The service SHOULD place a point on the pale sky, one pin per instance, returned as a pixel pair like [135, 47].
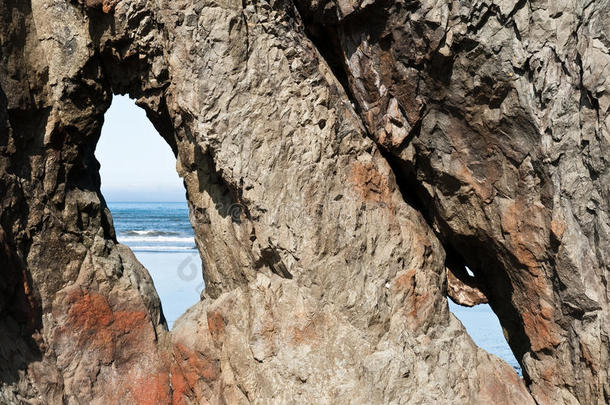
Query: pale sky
[137, 163]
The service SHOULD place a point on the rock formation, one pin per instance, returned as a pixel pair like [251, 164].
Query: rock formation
[338, 157]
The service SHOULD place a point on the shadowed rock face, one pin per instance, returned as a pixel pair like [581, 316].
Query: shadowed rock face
[337, 157]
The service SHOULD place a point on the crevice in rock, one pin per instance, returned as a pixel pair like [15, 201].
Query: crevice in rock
[20, 314]
[464, 251]
[227, 197]
[489, 283]
[326, 40]
[475, 252]
[462, 286]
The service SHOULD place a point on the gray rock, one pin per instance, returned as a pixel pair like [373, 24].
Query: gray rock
[494, 117]
[326, 181]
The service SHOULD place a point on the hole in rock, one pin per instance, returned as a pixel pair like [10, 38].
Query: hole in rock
[484, 328]
[480, 321]
[148, 204]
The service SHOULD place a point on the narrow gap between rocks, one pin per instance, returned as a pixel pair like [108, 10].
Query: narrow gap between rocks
[148, 204]
[479, 255]
[480, 321]
[483, 326]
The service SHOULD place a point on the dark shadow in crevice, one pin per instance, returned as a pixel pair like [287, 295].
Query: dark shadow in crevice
[482, 256]
[20, 315]
[323, 28]
[462, 286]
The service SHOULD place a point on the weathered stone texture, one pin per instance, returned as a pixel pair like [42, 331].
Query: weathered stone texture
[495, 116]
[337, 157]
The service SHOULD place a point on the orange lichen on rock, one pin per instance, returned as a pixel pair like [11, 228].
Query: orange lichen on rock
[151, 389]
[216, 324]
[195, 365]
[189, 371]
[417, 304]
[181, 391]
[371, 185]
[97, 327]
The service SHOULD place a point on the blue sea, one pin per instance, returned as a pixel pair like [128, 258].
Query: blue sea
[484, 328]
[152, 226]
[162, 239]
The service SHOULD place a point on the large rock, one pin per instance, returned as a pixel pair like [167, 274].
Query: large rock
[494, 117]
[326, 282]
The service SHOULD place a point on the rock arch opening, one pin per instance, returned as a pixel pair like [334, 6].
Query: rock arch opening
[470, 306]
[512, 178]
[147, 201]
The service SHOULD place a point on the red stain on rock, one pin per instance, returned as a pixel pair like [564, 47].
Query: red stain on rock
[547, 374]
[152, 389]
[190, 369]
[371, 185]
[310, 333]
[89, 310]
[416, 303]
[540, 329]
[137, 386]
[537, 314]
[216, 324]
[526, 226]
[406, 280]
[117, 339]
[180, 388]
[97, 327]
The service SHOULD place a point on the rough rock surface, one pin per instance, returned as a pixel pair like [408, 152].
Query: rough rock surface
[337, 157]
[494, 115]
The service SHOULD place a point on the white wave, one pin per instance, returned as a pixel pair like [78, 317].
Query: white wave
[163, 248]
[150, 232]
[174, 239]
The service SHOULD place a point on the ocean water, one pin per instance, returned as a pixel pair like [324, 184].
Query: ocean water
[153, 226]
[484, 328]
[162, 239]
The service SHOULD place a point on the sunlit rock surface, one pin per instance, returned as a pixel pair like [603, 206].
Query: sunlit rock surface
[337, 157]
